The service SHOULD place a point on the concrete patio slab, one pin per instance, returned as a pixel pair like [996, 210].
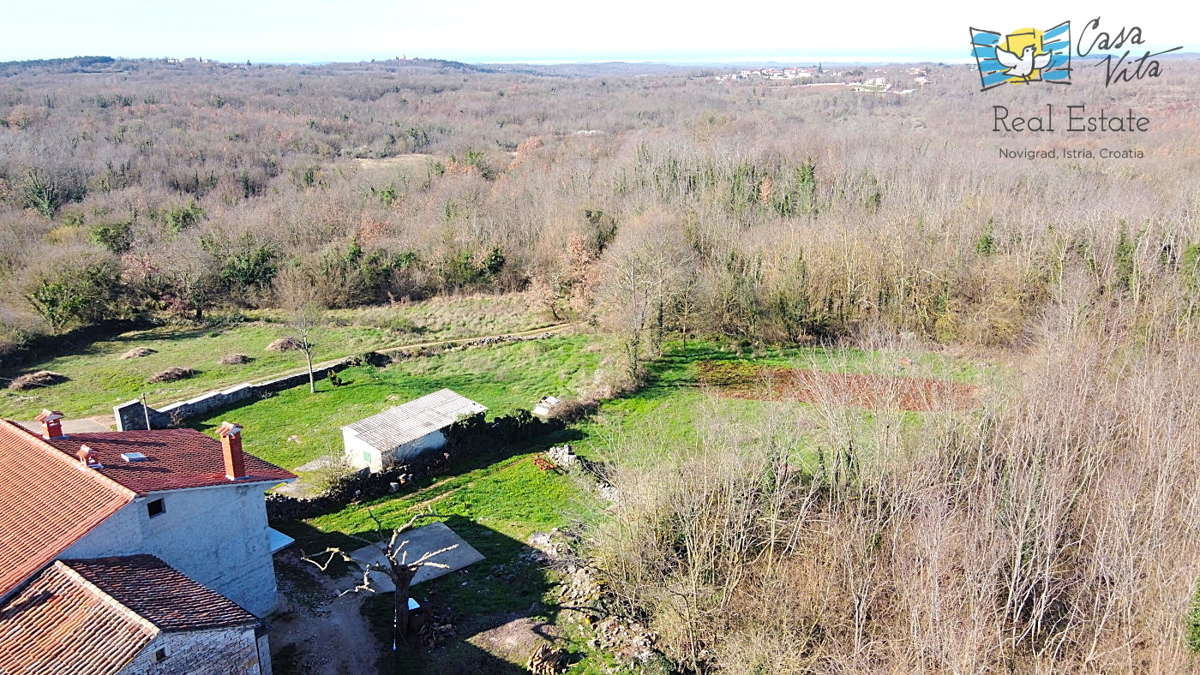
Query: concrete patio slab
[315, 465]
[433, 537]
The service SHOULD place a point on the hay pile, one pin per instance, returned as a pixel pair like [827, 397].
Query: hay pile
[41, 378]
[172, 374]
[286, 344]
[138, 352]
[234, 360]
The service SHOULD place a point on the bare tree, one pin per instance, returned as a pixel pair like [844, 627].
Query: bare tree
[647, 267]
[306, 315]
[399, 569]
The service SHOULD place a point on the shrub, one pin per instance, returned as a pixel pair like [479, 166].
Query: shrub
[181, 218]
[45, 190]
[81, 291]
[116, 238]
[251, 266]
[986, 245]
[473, 159]
[1189, 267]
[374, 359]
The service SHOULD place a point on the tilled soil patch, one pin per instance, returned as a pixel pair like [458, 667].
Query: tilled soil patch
[916, 394]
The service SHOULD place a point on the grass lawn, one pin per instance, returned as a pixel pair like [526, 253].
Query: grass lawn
[664, 415]
[294, 426]
[496, 501]
[99, 379]
[510, 498]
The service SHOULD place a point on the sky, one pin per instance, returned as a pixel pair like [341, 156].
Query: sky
[544, 31]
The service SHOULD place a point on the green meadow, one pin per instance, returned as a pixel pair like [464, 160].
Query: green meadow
[98, 379]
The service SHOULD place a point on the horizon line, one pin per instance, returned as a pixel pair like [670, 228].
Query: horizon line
[681, 58]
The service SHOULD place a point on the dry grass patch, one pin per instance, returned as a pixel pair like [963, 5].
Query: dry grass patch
[286, 344]
[171, 375]
[234, 360]
[41, 378]
[915, 394]
[138, 352]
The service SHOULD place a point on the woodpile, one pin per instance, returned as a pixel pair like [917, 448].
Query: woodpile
[547, 661]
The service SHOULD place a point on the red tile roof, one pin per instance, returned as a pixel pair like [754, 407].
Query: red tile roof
[47, 502]
[57, 625]
[93, 616]
[161, 594]
[177, 458]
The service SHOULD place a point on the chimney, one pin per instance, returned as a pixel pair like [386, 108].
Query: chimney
[88, 458]
[51, 424]
[231, 445]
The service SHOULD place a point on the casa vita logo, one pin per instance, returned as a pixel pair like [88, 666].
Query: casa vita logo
[1023, 56]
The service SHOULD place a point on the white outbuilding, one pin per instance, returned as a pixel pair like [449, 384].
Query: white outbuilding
[399, 434]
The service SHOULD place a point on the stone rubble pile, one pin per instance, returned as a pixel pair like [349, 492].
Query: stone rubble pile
[581, 587]
[562, 455]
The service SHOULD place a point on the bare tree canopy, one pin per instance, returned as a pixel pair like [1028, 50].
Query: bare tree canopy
[399, 568]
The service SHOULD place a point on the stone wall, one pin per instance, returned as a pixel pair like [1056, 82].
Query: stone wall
[130, 415]
[227, 651]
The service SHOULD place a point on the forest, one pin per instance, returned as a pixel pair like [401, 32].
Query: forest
[1053, 528]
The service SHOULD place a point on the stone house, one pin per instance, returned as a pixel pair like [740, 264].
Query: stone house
[192, 503]
[128, 615]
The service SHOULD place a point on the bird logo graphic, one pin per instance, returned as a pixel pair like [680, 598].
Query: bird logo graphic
[1023, 65]
[1023, 56]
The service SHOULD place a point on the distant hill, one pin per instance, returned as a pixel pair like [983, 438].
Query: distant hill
[74, 64]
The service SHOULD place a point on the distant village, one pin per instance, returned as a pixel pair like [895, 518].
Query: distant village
[814, 77]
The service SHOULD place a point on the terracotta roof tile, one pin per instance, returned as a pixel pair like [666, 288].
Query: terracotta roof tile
[47, 502]
[161, 594]
[58, 626]
[176, 459]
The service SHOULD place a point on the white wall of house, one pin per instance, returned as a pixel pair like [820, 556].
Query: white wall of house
[215, 535]
[362, 455]
[232, 651]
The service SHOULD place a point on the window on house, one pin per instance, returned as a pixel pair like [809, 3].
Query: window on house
[366, 457]
[160, 654]
[155, 508]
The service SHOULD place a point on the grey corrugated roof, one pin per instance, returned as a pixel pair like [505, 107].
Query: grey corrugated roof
[396, 426]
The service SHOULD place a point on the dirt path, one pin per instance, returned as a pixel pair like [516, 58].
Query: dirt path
[320, 631]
